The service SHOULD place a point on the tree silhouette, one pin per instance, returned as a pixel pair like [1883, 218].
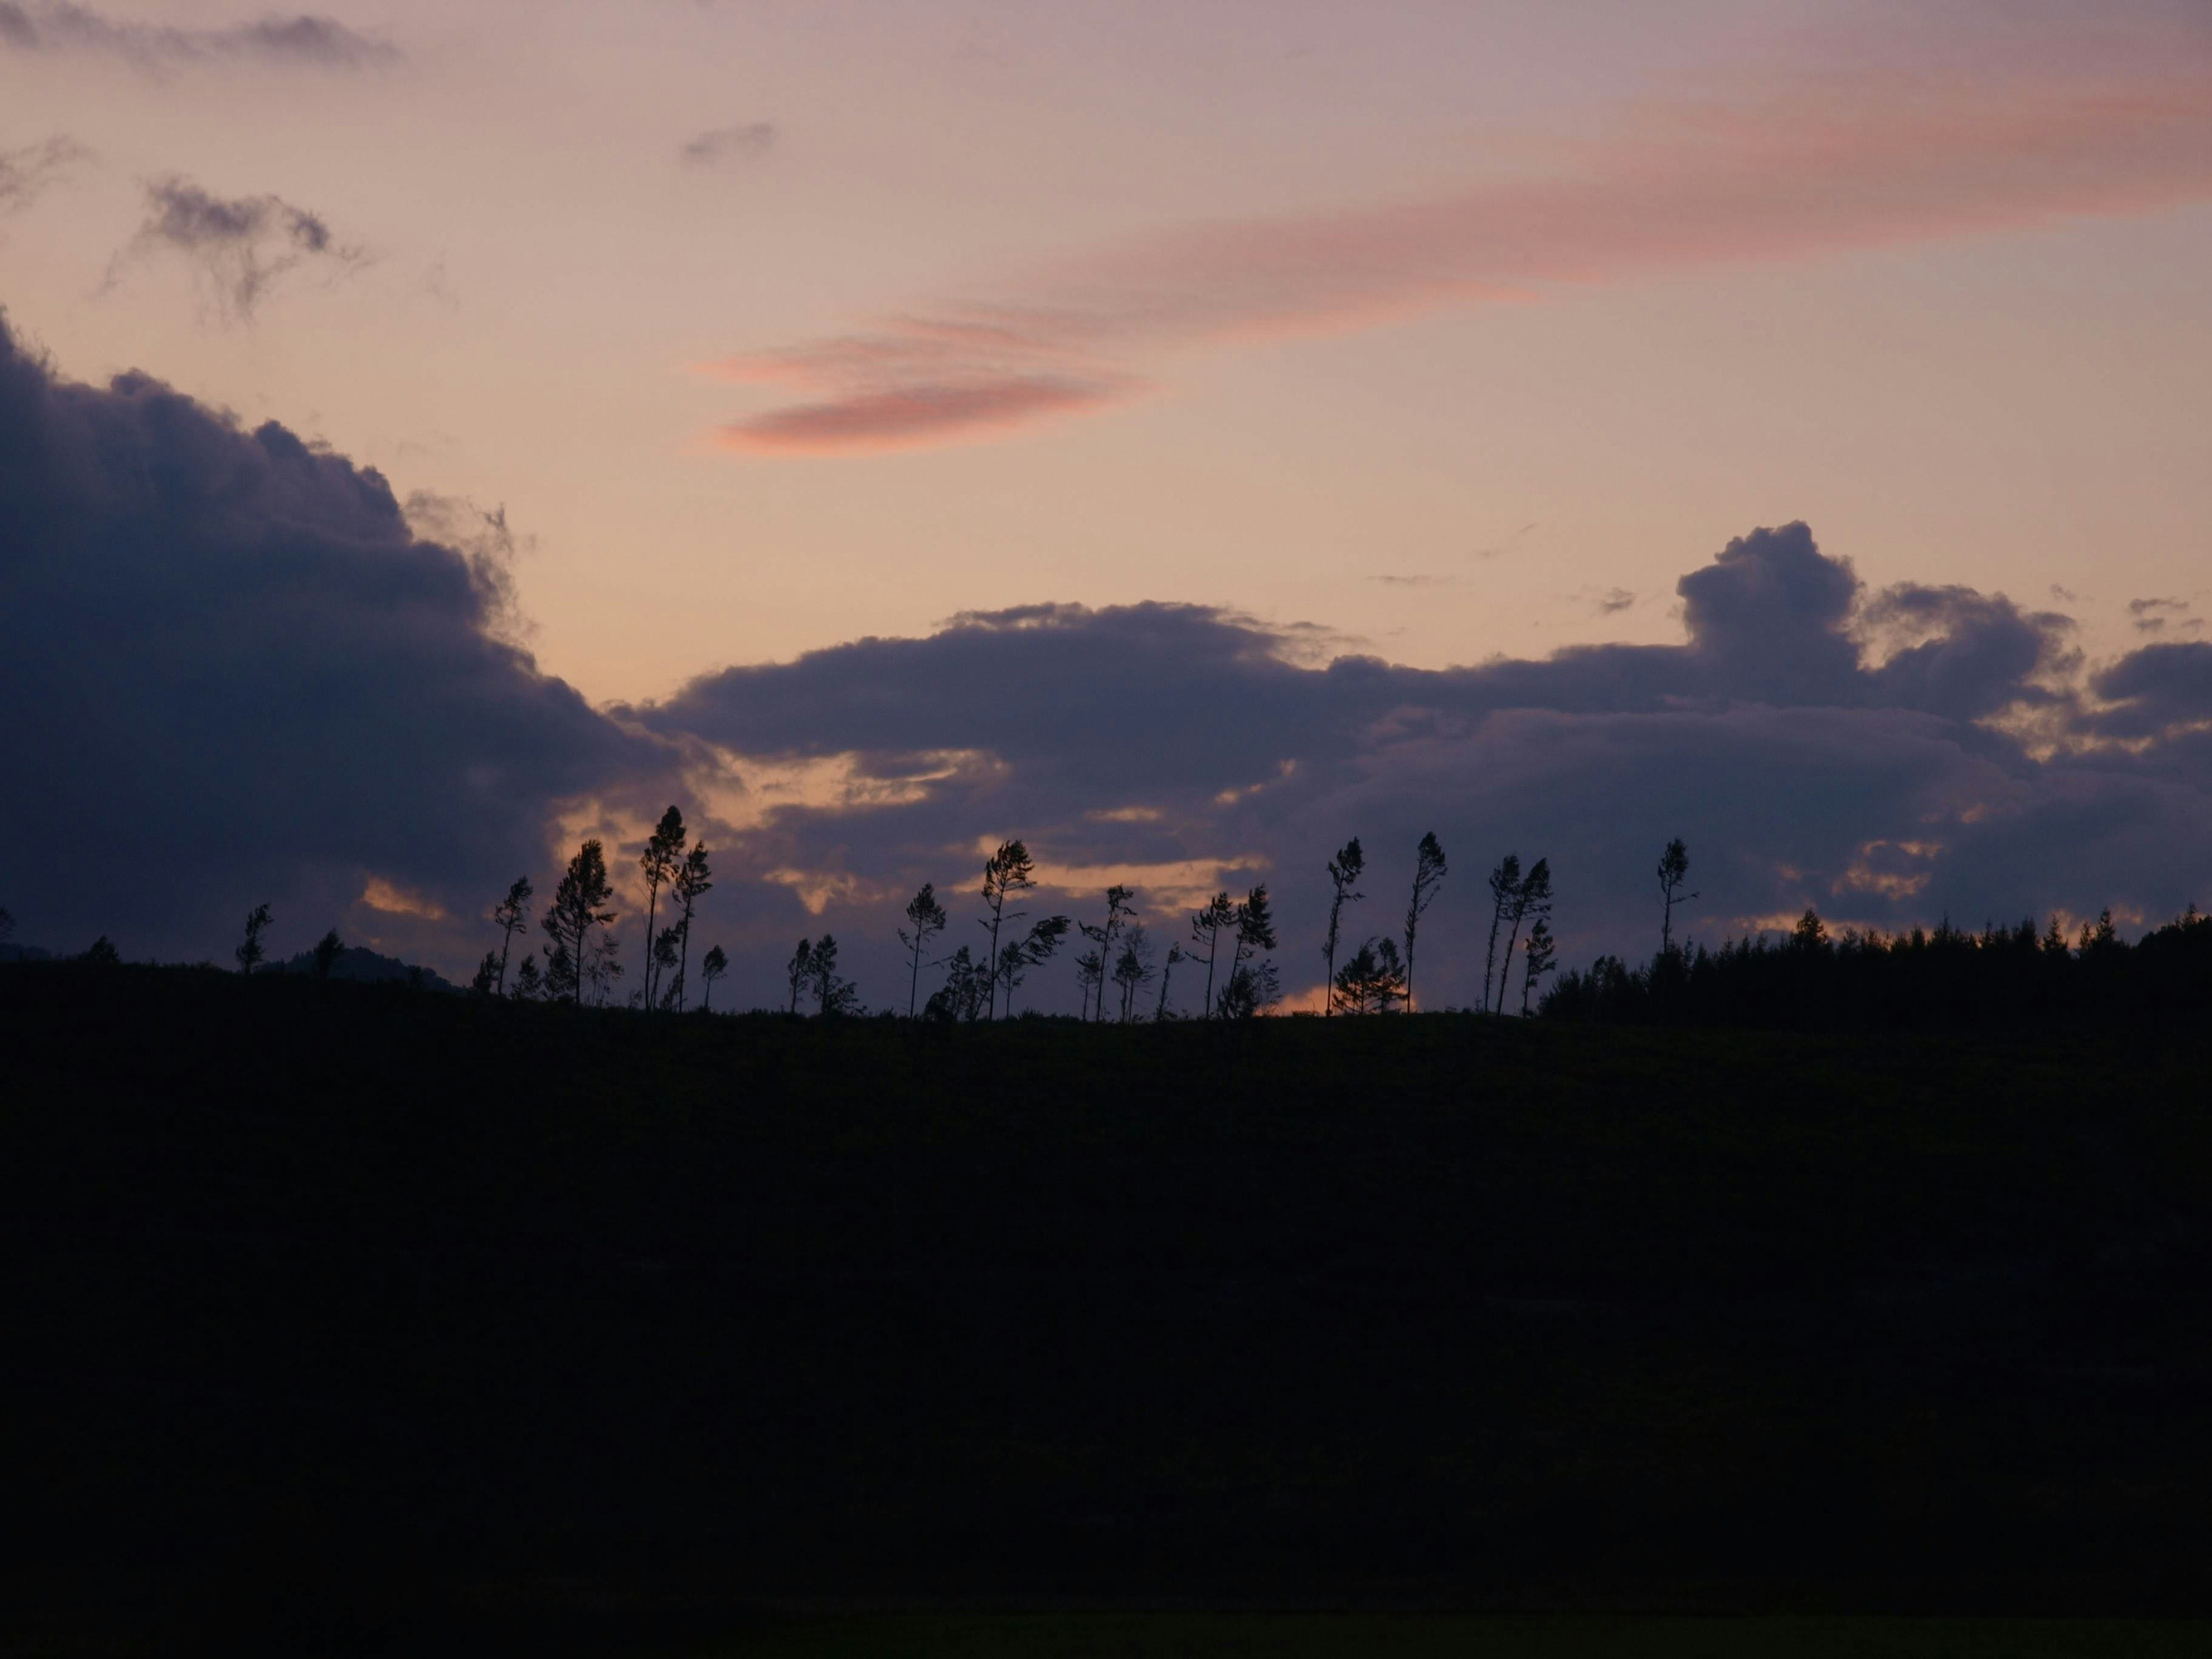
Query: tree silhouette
[1429, 872]
[327, 951]
[102, 953]
[1205, 925]
[1034, 950]
[925, 919]
[1253, 987]
[1343, 872]
[1373, 981]
[832, 995]
[1007, 871]
[486, 982]
[662, 857]
[249, 952]
[529, 983]
[1093, 966]
[1673, 876]
[1504, 889]
[1167, 970]
[1538, 957]
[712, 967]
[662, 962]
[1132, 969]
[7, 925]
[1533, 899]
[694, 878]
[575, 921]
[961, 995]
[799, 969]
[1252, 930]
[510, 914]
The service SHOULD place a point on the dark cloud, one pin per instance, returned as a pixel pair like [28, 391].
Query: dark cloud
[1818, 744]
[234, 673]
[1615, 601]
[27, 172]
[726, 144]
[302, 38]
[241, 246]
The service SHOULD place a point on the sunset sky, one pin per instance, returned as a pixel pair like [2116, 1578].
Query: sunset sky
[1427, 337]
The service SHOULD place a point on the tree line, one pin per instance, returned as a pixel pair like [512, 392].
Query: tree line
[1122, 973]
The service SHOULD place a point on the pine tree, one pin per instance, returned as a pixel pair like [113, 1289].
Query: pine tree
[691, 883]
[1007, 871]
[712, 967]
[925, 919]
[510, 915]
[799, 969]
[1429, 872]
[662, 857]
[1538, 957]
[1344, 872]
[577, 914]
[1673, 876]
[1205, 925]
[1252, 925]
[249, 952]
[1504, 889]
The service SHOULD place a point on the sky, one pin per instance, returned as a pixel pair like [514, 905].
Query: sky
[771, 406]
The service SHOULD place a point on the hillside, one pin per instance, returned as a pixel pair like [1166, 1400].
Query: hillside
[339, 1303]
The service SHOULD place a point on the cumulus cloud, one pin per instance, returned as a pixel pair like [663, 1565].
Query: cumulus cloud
[1817, 743]
[729, 143]
[300, 40]
[2046, 118]
[25, 172]
[239, 246]
[233, 674]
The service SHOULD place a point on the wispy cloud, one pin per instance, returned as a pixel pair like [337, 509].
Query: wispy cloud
[728, 143]
[302, 38]
[2152, 616]
[240, 244]
[1613, 601]
[1820, 165]
[25, 172]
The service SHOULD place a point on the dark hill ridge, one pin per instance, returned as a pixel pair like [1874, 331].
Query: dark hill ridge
[382, 1299]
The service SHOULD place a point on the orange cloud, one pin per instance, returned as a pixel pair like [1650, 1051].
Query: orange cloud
[1857, 160]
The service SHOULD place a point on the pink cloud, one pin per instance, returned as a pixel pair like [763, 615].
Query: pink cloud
[1861, 159]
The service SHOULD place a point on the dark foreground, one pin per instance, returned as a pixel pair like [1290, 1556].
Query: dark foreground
[349, 1319]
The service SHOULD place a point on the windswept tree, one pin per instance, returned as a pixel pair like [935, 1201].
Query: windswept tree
[510, 915]
[1007, 872]
[694, 878]
[1373, 979]
[328, 948]
[249, 952]
[1254, 988]
[1252, 930]
[1534, 900]
[575, 921]
[1538, 957]
[1673, 876]
[1132, 969]
[1344, 873]
[712, 967]
[1036, 948]
[1504, 893]
[486, 982]
[833, 995]
[1206, 924]
[799, 969]
[662, 858]
[1167, 972]
[1429, 873]
[925, 921]
[1093, 966]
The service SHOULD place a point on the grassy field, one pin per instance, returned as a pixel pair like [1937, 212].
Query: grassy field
[339, 1309]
